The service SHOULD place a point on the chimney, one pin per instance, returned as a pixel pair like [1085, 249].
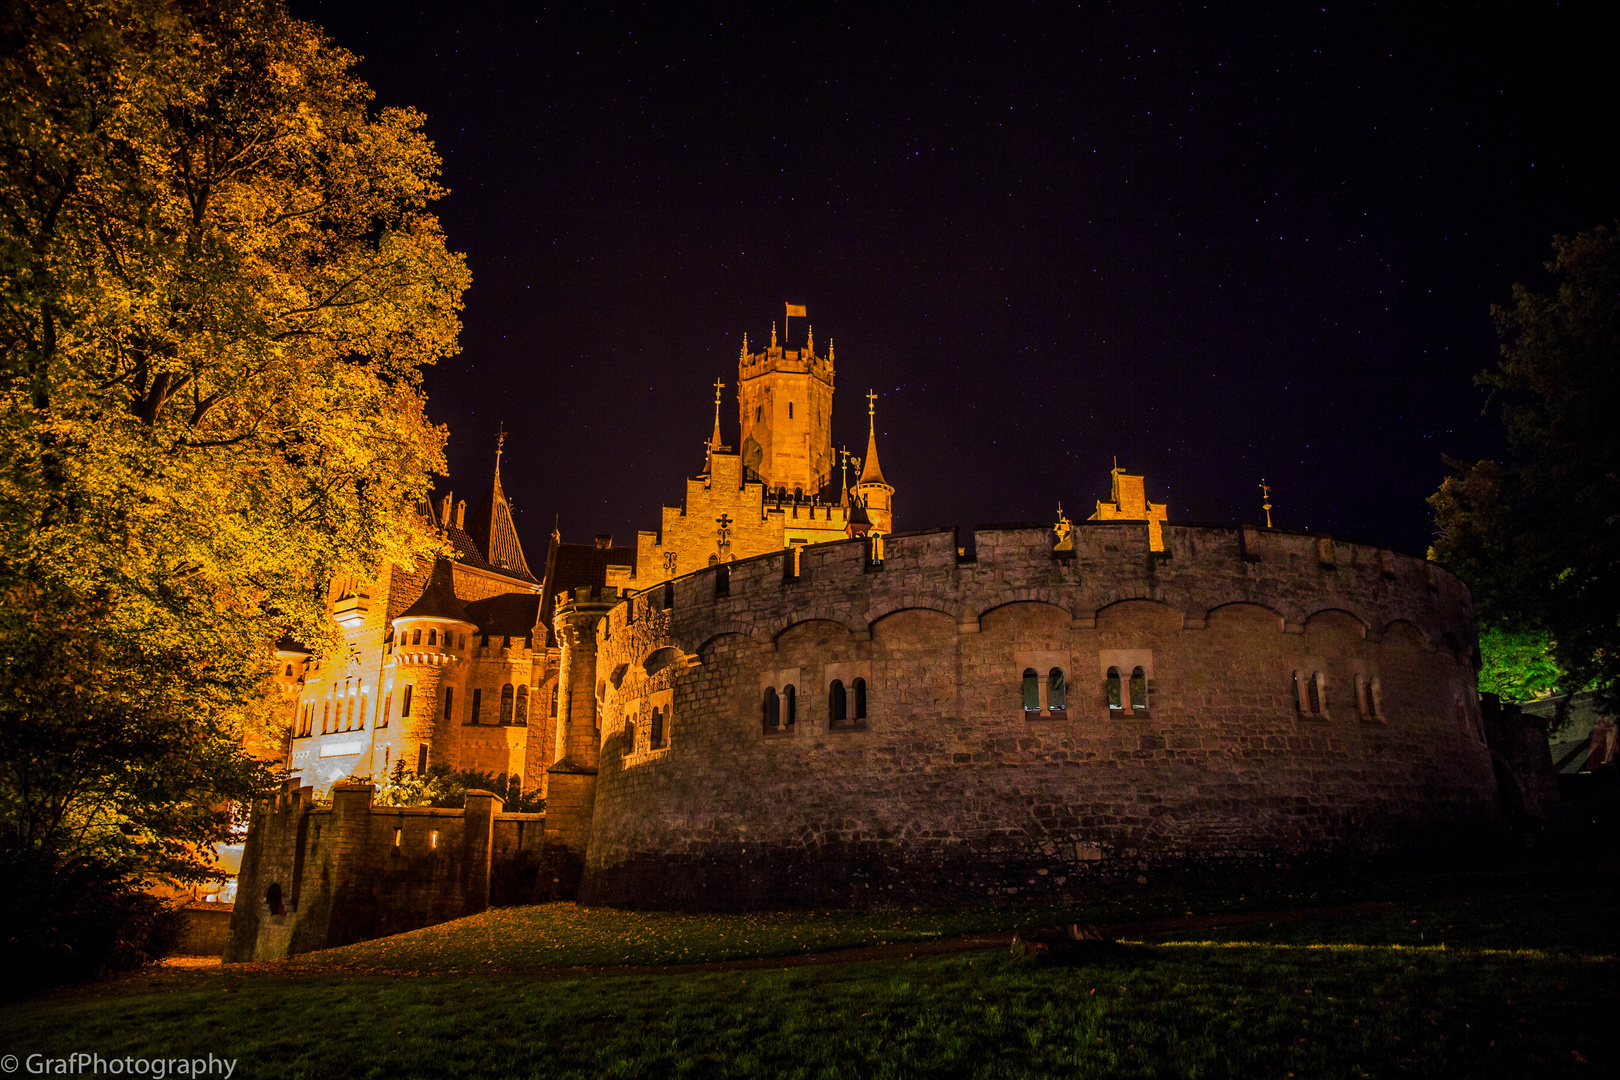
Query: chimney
[604, 540]
[444, 512]
[461, 514]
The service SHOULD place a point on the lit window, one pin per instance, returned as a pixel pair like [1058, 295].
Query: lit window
[1139, 690]
[1115, 698]
[1056, 691]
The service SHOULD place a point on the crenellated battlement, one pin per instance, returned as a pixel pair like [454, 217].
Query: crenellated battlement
[967, 575]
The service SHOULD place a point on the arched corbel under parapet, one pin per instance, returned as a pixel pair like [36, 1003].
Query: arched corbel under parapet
[1397, 626]
[1323, 613]
[1236, 607]
[853, 627]
[872, 620]
[1051, 602]
[715, 631]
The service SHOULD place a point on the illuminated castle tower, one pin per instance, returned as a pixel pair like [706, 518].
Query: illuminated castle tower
[875, 493]
[784, 402]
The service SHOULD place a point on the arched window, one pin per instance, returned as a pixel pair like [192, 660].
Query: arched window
[326, 715]
[1375, 693]
[433, 636]
[521, 718]
[1115, 700]
[289, 669]
[1032, 691]
[388, 703]
[1139, 690]
[1056, 691]
[771, 709]
[629, 736]
[798, 495]
[1313, 689]
[657, 729]
[790, 410]
[416, 636]
[860, 699]
[837, 706]
[713, 559]
[790, 700]
[272, 899]
[361, 715]
[506, 704]
[759, 411]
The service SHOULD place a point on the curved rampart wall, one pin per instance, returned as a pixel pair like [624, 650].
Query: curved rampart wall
[951, 789]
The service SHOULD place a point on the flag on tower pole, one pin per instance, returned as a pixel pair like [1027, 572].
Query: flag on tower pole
[797, 309]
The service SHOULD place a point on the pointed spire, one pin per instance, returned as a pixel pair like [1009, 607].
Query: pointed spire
[810, 342]
[714, 440]
[500, 444]
[871, 473]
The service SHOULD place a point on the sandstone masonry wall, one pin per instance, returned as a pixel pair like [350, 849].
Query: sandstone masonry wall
[951, 789]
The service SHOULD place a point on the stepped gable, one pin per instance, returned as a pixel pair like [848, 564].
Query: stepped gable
[512, 615]
[438, 599]
[571, 566]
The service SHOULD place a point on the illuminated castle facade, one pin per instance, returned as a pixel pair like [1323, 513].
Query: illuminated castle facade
[772, 703]
[456, 662]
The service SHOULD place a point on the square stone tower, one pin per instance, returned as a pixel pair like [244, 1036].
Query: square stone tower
[784, 403]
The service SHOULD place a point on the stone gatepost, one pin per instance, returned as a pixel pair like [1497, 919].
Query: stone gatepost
[478, 839]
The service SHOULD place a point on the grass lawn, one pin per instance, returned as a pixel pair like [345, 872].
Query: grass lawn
[1506, 982]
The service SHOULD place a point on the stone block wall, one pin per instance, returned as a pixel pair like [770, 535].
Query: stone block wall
[352, 871]
[1307, 701]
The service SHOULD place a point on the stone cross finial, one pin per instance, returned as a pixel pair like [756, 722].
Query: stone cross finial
[718, 386]
[871, 403]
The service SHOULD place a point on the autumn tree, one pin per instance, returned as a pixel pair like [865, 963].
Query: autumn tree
[220, 278]
[1538, 536]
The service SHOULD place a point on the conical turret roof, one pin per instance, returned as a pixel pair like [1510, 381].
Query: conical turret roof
[871, 471]
[439, 599]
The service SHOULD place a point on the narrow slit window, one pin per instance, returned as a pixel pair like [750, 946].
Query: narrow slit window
[477, 707]
[1116, 701]
[657, 730]
[837, 703]
[1032, 691]
[1313, 689]
[1056, 691]
[860, 699]
[629, 736]
[433, 636]
[421, 759]
[449, 703]
[790, 705]
[771, 709]
[388, 704]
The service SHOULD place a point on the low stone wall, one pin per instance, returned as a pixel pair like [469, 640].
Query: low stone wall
[1306, 702]
[314, 876]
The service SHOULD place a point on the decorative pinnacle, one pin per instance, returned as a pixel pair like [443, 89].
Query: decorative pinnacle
[871, 406]
[773, 333]
[1265, 496]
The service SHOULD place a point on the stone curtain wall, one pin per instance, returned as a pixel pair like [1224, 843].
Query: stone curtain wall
[952, 790]
[343, 877]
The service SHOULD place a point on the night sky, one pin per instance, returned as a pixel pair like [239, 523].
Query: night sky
[1219, 244]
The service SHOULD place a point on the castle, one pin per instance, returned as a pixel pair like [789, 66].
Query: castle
[778, 701]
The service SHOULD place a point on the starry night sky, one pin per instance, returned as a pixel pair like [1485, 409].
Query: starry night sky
[1217, 243]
